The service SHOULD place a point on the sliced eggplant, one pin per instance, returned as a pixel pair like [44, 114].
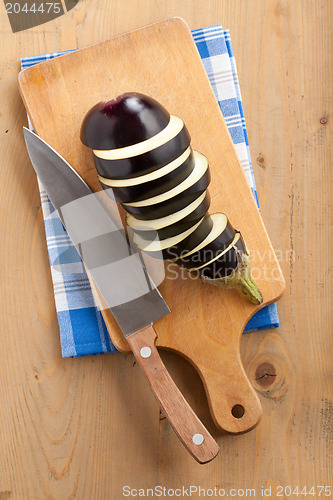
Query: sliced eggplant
[128, 119]
[232, 269]
[152, 184]
[223, 263]
[194, 183]
[173, 128]
[169, 226]
[177, 244]
[144, 160]
[193, 239]
[221, 235]
[222, 267]
[157, 174]
[220, 254]
[160, 249]
[162, 209]
[126, 168]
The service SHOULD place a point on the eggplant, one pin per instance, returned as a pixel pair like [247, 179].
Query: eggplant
[152, 184]
[171, 248]
[171, 225]
[164, 208]
[200, 174]
[144, 160]
[192, 241]
[172, 129]
[158, 248]
[225, 263]
[224, 255]
[128, 119]
[220, 236]
[126, 168]
[167, 204]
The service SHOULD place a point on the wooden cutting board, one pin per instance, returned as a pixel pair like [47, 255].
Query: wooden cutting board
[161, 60]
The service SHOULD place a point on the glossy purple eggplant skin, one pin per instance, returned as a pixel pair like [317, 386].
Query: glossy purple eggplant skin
[178, 227]
[210, 251]
[164, 208]
[190, 242]
[125, 168]
[223, 266]
[128, 119]
[155, 187]
[171, 205]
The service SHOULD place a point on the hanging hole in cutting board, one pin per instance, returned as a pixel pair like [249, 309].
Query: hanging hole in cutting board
[238, 411]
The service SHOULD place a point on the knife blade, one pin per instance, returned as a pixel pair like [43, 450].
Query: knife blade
[126, 287]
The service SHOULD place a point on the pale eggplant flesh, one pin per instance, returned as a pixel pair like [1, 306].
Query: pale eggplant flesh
[168, 204]
[173, 252]
[153, 185]
[126, 168]
[167, 207]
[164, 248]
[165, 227]
[194, 185]
[220, 236]
[223, 263]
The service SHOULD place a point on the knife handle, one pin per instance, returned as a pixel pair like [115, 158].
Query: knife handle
[190, 430]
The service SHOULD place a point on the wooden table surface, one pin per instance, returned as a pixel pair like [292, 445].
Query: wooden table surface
[85, 428]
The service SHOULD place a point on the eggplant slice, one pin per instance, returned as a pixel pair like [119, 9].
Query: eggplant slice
[189, 186]
[169, 226]
[220, 236]
[161, 248]
[170, 205]
[154, 183]
[224, 262]
[193, 240]
[126, 168]
[172, 129]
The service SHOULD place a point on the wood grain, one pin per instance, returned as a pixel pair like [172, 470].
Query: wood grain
[180, 415]
[206, 323]
[84, 428]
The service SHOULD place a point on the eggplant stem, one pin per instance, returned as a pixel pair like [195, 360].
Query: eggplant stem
[240, 278]
[250, 288]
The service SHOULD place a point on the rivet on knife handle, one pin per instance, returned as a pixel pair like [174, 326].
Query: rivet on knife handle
[190, 430]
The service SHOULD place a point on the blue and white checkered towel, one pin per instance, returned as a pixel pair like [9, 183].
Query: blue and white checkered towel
[82, 328]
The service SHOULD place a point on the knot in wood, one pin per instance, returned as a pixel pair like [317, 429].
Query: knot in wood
[261, 161]
[265, 374]
[270, 376]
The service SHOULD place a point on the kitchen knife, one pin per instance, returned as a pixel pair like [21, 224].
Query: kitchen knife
[124, 283]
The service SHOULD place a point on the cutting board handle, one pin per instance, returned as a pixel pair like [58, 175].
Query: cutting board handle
[234, 404]
[190, 430]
